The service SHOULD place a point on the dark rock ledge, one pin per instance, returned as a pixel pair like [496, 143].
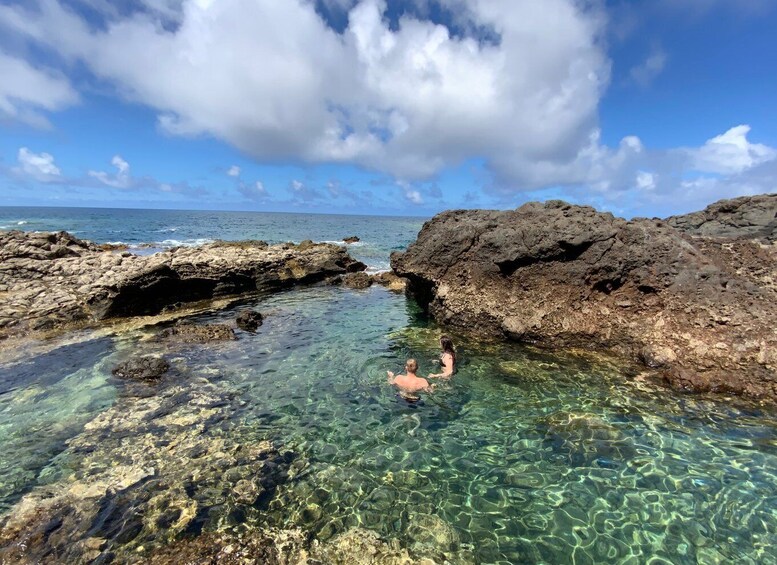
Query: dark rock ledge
[700, 310]
[49, 280]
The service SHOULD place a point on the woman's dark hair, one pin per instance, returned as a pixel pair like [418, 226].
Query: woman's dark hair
[447, 346]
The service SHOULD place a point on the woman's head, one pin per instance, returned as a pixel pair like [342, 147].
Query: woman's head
[411, 365]
[447, 345]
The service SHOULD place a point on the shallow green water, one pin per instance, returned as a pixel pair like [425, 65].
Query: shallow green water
[523, 458]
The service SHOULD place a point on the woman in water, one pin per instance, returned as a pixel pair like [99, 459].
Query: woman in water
[447, 358]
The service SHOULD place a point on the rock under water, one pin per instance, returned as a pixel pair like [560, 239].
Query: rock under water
[701, 310]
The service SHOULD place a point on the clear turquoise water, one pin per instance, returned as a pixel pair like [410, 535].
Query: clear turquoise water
[525, 457]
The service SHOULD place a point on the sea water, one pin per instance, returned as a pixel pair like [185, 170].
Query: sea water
[525, 456]
[147, 231]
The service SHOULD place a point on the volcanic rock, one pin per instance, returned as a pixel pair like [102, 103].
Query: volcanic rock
[558, 275]
[249, 320]
[748, 217]
[353, 280]
[142, 368]
[193, 333]
[391, 281]
[54, 279]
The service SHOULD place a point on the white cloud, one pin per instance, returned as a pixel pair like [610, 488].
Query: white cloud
[645, 73]
[645, 181]
[255, 191]
[411, 194]
[26, 92]
[731, 152]
[301, 192]
[233, 171]
[407, 101]
[633, 178]
[121, 179]
[39, 166]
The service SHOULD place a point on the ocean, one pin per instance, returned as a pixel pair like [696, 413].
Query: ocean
[147, 231]
[525, 456]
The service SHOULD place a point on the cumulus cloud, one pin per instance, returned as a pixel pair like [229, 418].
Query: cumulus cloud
[233, 171]
[407, 101]
[632, 177]
[39, 166]
[411, 194]
[26, 92]
[731, 152]
[120, 179]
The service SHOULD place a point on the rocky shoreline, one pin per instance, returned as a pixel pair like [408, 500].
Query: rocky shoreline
[54, 280]
[693, 298]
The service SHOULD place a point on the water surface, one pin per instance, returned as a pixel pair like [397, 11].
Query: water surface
[524, 457]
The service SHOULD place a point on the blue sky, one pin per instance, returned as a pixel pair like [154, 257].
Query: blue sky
[404, 107]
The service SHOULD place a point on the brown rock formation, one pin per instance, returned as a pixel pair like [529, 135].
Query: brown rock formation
[700, 310]
[51, 279]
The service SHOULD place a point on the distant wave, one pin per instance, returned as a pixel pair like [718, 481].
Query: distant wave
[341, 242]
[21, 223]
[168, 230]
[183, 242]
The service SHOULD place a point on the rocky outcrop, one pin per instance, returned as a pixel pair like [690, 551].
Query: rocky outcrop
[699, 310]
[51, 279]
[249, 320]
[141, 368]
[391, 281]
[748, 217]
[351, 239]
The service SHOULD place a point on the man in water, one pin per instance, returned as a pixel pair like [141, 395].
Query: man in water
[409, 383]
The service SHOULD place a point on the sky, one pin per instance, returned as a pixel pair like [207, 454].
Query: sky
[407, 107]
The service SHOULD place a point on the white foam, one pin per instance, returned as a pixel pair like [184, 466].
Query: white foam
[184, 242]
[21, 223]
[341, 242]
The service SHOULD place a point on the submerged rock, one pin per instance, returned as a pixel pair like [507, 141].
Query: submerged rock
[249, 320]
[195, 333]
[353, 280]
[142, 368]
[701, 310]
[145, 473]
[357, 280]
[49, 280]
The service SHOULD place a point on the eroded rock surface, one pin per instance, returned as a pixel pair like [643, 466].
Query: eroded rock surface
[198, 333]
[144, 473]
[142, 368]
[52, 279]
[701, 310]
[748, 217]
[249, 320]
